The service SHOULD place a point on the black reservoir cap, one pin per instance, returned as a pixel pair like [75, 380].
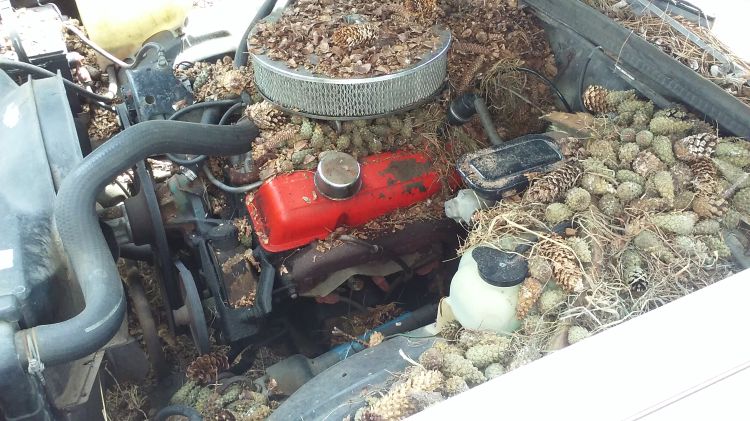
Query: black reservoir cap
[499, 268]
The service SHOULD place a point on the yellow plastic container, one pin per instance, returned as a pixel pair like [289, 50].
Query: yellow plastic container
[122, 27]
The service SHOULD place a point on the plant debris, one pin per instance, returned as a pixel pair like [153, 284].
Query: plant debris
[636, 208]
[217, 81]
[356, 325]
[662, 35]
[349, 38]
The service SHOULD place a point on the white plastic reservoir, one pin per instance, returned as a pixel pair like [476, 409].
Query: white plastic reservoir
[484, 290]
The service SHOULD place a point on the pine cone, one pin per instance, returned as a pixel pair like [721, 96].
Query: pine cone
[472, 337]
[696, 146]
[481, 356]
[456, 365]
[454, 385]
[650, 204]
[595, 99]
[266, 116]
[554, 184]
[283, 137]
[564, 264]
[637, 280]
[646, 163]
[431, 359]
[423, 9]
[708, 205]
[705, 180]
[528, 294]
[469, 74]
[204, 369]
[450, 331]
[224, 415]
[236, 80]
[354, 35]
[397, 403]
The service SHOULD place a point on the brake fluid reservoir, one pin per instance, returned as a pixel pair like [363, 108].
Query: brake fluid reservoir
[483, 295]
[121, 28]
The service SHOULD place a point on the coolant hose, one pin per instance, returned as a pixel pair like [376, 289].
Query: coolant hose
[82, 239]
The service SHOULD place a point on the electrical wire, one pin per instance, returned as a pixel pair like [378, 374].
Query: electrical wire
[199, 106]
[106, 54]
[96, 47]
[230, 189]
[584, 70]
[38, 71]
[550, 84]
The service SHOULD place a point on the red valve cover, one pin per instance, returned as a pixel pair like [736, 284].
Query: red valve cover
[288, 212]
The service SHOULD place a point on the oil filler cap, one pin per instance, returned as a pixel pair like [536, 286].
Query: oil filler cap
[500, 268]
[338, 176]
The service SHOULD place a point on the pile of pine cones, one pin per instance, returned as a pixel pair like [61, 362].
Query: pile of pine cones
[217, 81]
[467, 358]
[297, 143]
[667, 179]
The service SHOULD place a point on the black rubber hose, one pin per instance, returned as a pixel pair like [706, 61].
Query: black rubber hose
[463, 108]
[231, 111]
[241, 55]
[82, 239]
[36, 70]
[178, 410]
[210, 114]
[202, 105]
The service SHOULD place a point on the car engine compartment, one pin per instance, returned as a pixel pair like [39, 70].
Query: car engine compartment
[272, 230]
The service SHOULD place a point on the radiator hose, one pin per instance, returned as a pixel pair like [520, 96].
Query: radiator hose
[82, 239]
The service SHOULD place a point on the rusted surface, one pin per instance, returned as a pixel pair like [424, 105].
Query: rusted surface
[407, 169]
[309, 266]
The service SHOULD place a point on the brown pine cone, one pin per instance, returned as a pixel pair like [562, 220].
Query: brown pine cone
[565, 266]
[225, 415]
[528, 294]
[708, 205]
[705, 176]
[266, 116]
[205, 369]
[472, 48]
[646, 163]
[469, 74]
[696, 146]
[422, 9]
[354, 35]
[595, 99]
[554, 184]
[284, 137]
[396, 404]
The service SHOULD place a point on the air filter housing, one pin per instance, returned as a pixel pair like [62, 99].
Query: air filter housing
[318, 96]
